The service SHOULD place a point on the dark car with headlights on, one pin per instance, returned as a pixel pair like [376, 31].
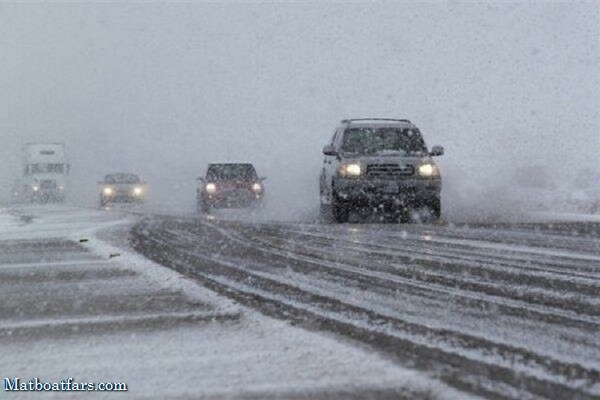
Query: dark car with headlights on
[122, 188]
[379, 165]
[229, 185]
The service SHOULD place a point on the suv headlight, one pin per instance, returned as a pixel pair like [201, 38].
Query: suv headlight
[107, 191]
[137, 190]
[350, 170]
[428, 170]
[210, 188]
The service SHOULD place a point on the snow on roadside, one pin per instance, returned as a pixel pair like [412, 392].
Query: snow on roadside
[55, 221]
[564, 217]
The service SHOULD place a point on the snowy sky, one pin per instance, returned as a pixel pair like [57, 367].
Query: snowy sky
[162, 89]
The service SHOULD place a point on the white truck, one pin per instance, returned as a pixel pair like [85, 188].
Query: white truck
[45, 171]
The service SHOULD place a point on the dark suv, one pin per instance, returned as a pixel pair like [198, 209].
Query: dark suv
[379, 164]
[229, 185]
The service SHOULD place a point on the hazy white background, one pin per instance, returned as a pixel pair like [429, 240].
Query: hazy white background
[162, 89]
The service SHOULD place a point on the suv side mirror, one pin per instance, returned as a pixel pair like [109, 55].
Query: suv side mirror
[200, 179]
[329, 150]
[262, 178]
[436, 151]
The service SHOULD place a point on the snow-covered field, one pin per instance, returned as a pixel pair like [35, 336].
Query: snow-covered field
[76, 303]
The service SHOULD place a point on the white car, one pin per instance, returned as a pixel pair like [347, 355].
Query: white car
[122, 188]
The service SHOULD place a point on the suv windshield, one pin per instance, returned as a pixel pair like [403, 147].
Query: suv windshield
[383, 141]
[121, 178]
[231, 171]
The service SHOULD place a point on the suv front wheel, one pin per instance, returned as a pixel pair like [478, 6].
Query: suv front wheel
[339, 211]
[436, 208]
[202, 207]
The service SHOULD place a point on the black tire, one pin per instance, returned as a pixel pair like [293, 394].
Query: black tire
[402, 215]
[202, 207]
[325, 212]
[436, 208]
[340, 211]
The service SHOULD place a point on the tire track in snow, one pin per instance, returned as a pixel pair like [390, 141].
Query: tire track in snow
[184, 247]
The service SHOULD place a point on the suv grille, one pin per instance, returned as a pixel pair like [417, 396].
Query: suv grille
[385, 170]
[48, 185]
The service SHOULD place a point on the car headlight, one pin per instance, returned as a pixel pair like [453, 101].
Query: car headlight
[350, 170]
[35, 188]
[210, 188]
[257, 187]
[428, 170]
[137, 191]
[107, 191]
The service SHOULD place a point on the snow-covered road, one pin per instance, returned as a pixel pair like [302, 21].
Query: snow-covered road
[76, 302]
[505, 311]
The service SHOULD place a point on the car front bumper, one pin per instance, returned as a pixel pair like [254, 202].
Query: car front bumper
[48, 195]
[121, 198]
[374, 192]
[233, 199]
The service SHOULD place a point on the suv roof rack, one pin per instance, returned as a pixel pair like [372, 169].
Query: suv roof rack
[346, 121]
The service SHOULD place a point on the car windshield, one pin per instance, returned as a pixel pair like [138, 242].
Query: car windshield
[231, 171]
[121, 178]
[383, 141]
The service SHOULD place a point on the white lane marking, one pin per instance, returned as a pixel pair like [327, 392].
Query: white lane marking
[55, 263]
[113, 319]
[473, 243]
[517, 249]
